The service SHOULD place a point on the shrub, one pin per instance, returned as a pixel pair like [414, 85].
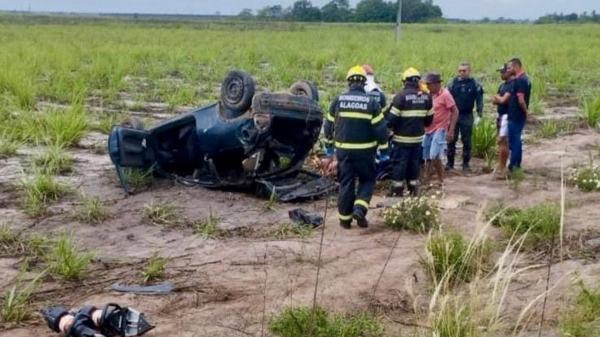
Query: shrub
[452, 260]
[302, 322]
[541, 222]
[65, 261]
[586, 178]
[417, 214]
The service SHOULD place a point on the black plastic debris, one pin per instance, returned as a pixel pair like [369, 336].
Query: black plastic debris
[303, 218]
[156, 289]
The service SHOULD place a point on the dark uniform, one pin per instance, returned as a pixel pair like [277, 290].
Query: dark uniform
[409, 115]
[379, 97]
[467, 93]
[356, 127]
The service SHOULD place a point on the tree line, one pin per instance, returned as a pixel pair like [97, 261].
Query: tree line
[341, 11]
[584, 17]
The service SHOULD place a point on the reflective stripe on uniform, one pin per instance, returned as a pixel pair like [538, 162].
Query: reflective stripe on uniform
[355, 146]
[344, 217]
[412, 140]
[415, 113]
[377, 119]
[328, 141]
[384, 146]
[429, 113]
[356, 115]
[330, 117]
[396, 111]
[360, 202]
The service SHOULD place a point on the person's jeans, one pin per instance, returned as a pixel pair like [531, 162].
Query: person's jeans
[515, 144]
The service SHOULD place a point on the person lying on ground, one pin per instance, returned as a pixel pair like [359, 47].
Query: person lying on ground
[110, 321]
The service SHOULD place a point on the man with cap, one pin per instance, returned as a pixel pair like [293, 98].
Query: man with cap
[441, 130]
[408, 116]
[501, 101]
[355, 126]
[372, 87]
[467, 93]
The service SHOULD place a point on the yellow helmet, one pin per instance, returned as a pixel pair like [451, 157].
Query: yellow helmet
[357, 71]
[410, 72]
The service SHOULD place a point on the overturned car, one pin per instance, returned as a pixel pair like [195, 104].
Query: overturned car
[245, 140]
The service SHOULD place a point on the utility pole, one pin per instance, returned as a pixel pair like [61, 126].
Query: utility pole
[398, 20]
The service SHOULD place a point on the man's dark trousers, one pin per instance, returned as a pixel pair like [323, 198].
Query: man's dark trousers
[464, 125]
[353, 166]
[406, 162]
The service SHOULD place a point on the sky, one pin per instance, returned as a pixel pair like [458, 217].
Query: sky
[463, 9]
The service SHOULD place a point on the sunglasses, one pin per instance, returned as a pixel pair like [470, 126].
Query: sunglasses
[462, 70]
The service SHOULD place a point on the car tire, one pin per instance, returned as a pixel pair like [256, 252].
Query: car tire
[237, 91]
[305, 88]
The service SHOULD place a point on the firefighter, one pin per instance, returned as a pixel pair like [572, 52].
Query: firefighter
[355, 127]
[408, 116]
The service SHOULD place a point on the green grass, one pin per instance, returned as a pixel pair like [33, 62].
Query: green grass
[454, 319]
[64, 127]
[452, 260]
[38, 192]
[8, 147]
[161, 213]
[582, 320]
[286, 230]
[138, 178]
[551, 129]
[92, 211]
[591, 111]
[55, 160]
[414, 214]
[15, 307]
[484, 139]
[541, 222]
[303, 322]
[66, 261]
[13, 243]
[154, 269]
[208, 227]
[106, 121]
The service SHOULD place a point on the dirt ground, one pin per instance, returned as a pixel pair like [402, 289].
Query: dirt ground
[220, 283]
